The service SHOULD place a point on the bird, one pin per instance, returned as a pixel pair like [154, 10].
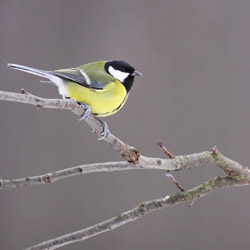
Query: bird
[104, 86]
[101, 87]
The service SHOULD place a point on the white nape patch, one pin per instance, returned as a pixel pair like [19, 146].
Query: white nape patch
[121, 76]
[85, 76]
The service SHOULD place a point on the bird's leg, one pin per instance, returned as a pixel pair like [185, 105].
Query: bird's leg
[86, 115]
[105, 129]
[87, 112]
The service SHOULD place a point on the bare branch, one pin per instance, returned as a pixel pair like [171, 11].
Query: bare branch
[237, 174]
[128, 152]
[138, 212]
[176, 164]
[65, 173]
[146, 163]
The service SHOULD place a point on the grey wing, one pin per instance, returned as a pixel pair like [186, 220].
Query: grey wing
[78, 76]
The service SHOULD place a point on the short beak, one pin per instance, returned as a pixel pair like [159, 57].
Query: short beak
[136, 73]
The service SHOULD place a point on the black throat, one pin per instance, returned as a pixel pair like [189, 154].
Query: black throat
[128, 83]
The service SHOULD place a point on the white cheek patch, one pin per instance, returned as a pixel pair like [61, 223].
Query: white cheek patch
[121, 76]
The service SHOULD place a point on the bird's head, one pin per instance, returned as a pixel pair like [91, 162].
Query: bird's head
[122, 71]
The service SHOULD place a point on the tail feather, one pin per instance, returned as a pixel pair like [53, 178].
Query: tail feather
[58, 81]
[38, 72]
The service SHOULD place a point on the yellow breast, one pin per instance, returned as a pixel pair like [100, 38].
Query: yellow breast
[103, 102]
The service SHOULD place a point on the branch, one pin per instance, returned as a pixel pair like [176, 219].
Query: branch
[237, 174]
[176, 164]
[130, 153]
[127, 152]
[143, 209]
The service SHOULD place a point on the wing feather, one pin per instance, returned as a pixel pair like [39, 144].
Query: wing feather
[78, 76]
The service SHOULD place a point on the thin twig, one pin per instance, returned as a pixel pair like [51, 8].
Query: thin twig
[162, 146]
[138, 212]
[178, 185]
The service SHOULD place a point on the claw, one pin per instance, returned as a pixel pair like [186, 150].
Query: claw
[87, 112]
[105, 130]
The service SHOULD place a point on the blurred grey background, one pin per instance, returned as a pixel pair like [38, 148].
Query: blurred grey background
[194, 94]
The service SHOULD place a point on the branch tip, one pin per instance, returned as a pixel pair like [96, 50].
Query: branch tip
[171, 177]
[215, 150]
[23, 91]
[161, 145]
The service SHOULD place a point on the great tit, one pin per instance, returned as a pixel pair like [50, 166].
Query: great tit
[101, 87]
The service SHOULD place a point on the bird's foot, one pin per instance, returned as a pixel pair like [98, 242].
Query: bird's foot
[87, 112]
[105, 132]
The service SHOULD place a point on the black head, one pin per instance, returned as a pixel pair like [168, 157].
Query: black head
[122, 71]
